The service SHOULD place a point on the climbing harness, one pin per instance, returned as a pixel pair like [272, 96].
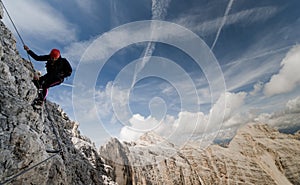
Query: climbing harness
[14, 27]
[55, 152]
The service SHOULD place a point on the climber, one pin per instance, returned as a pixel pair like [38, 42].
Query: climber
[57, 68]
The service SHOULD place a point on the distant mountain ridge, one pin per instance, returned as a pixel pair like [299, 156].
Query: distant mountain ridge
[258, 154]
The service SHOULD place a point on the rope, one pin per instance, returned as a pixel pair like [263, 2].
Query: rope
[14, 27]
[59, 144]
[48, 151]
[28, 169]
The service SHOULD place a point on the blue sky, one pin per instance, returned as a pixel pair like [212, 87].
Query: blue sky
[247, 69]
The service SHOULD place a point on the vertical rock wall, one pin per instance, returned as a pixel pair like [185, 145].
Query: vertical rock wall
[26, 133]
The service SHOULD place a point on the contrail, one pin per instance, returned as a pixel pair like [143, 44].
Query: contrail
[68, 85]
[223, 23]
[159, 12]
[261, 54]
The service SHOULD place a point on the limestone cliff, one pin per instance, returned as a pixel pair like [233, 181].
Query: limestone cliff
[26, 133]
[258, 154]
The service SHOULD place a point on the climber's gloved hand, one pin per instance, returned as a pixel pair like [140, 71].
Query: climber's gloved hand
[26, 48]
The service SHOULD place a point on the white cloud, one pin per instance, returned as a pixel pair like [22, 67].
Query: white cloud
[287, 78]
[113, 100]
[228, 105]
[242, 72]
[140, 123]
[38, 18]
[138, 126]
[199, 125]
[188, 124]
[112, 106]
[94, 50]
[286, 118]
[127, 134]
[94, 110]
[293, 106]
[75, 50]
[256, 88]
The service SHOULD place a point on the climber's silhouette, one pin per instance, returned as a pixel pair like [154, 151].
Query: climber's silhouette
[57, 67]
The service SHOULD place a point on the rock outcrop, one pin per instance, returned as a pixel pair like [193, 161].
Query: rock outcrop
[26, 133]
[1, 13]
[258, 154]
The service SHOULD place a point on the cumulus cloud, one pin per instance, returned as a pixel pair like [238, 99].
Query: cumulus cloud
[224, 114]
[286, 118]
[139, 125]
[293, 106]
[287, 79]
[228, 104]
[228, 112]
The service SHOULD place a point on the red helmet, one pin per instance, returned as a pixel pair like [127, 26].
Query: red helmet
[55, 53]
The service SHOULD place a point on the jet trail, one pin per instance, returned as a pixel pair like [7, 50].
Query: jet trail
[159, 12]
[223, 23]
[68, 85]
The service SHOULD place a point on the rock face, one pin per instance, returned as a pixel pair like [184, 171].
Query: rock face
[258, 154]
[26, 133]
[1, 12]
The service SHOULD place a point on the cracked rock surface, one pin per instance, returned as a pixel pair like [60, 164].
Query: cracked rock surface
[26, 133]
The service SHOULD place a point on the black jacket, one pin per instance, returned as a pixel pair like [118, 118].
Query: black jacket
[61, 67]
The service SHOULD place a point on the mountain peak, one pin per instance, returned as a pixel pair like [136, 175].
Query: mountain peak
[151, 138]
